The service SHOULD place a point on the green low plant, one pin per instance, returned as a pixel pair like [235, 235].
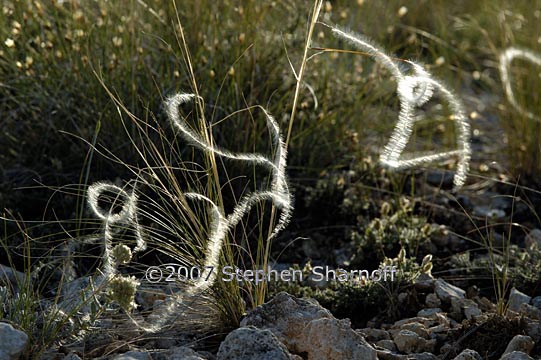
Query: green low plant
[397, 227]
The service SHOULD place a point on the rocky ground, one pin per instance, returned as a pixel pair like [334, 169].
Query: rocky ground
[435, 319]
[455, 324]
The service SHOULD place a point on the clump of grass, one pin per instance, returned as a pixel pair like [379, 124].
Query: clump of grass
[116, 223]
[220, 224]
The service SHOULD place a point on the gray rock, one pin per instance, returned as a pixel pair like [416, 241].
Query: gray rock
[471, 312]
[133, 355]
[72, 356]
[429, 312]
[530, 311]
[485, 304]
[409, 342]
[13, 341]
[448, 349]
[533, 239]
[54, 354]
[426, 321]
[520, 343]
[10, 276]
[516, 355]
[403, 297]
[165, 342]
[536, 301]
[417, 328]
[468, 355]
[423, 356]
[516, 298]
[424, 282]
[286, 316]
[390, 355]
[250, 343]
[467, 307]
[183, 353]
[441, 330]
[303, 326]
[374, 335]
[533, 329]
[77, 295]
[399, 323]
[332, 339]
[432, 301]
[387, 345]
[446, 292]
[500, 201]
[99, 339]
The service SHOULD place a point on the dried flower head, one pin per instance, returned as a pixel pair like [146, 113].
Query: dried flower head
[122, 290]
[122, 254]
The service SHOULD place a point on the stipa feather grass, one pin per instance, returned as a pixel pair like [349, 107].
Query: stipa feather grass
[126, 216]
[414, 91]
[506, 58]
[279, 188]
[278, 194]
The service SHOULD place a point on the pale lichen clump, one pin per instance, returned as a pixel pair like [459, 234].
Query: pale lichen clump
[122, 289]
[122, 254]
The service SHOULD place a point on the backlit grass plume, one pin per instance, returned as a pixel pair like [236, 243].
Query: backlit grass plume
[414, 91]
[279, 192]
[506, 58]
[126, 216]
